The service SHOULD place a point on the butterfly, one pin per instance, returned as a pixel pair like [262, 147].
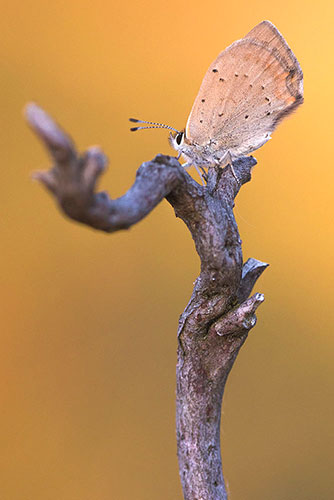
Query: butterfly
[247, 91]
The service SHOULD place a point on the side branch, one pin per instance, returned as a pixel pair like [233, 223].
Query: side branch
[72, 179]
[251, 271]
[241, 318]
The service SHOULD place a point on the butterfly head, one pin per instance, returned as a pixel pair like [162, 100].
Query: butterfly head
[177, 139]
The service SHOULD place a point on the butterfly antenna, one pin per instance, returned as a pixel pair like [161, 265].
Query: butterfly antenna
[151, 125]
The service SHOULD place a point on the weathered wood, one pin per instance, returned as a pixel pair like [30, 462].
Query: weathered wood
[219, 315]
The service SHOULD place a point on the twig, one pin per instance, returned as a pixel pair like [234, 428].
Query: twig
[219, 315]
[73, 179]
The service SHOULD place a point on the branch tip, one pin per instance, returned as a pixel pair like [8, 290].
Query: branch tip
[57, 141]
[46, 178]
[259, 297]
[240, 318]
[251, 271]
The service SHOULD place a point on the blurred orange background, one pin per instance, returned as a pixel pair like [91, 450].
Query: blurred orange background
[88, 320]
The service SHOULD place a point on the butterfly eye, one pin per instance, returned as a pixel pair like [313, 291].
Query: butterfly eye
[178, 138]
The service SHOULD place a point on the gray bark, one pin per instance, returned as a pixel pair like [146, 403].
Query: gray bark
[220, 313]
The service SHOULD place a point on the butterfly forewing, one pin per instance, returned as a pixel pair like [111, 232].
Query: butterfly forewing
[252, 85]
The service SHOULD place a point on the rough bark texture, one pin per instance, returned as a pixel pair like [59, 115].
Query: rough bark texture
[219, 315]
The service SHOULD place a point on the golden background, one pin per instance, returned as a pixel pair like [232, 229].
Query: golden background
[88, 320]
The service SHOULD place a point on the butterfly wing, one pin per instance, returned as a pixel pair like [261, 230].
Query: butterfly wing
[247, 90]
[268, 35]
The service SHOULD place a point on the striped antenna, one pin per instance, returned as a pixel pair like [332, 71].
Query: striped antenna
[152, 125]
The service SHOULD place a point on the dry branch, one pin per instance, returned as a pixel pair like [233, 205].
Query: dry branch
[219, 315]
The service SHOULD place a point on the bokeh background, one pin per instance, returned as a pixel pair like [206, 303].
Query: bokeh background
[88, 320]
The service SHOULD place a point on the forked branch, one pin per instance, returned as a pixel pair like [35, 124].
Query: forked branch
[219, 315]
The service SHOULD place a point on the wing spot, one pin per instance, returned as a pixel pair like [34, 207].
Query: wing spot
[215, 70]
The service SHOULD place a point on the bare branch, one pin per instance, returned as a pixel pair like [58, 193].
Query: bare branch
[219, 315]
[72, 180]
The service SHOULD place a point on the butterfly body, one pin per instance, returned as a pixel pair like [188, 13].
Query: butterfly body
[204, 155]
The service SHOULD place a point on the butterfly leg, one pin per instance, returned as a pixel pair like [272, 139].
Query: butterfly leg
[186, 165]
[201, 172]
[204, 173]
[204, 176]
[227, 160]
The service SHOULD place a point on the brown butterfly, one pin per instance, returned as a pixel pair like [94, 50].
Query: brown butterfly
[246, 92]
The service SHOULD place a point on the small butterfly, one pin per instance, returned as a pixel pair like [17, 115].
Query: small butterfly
[246, 92]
